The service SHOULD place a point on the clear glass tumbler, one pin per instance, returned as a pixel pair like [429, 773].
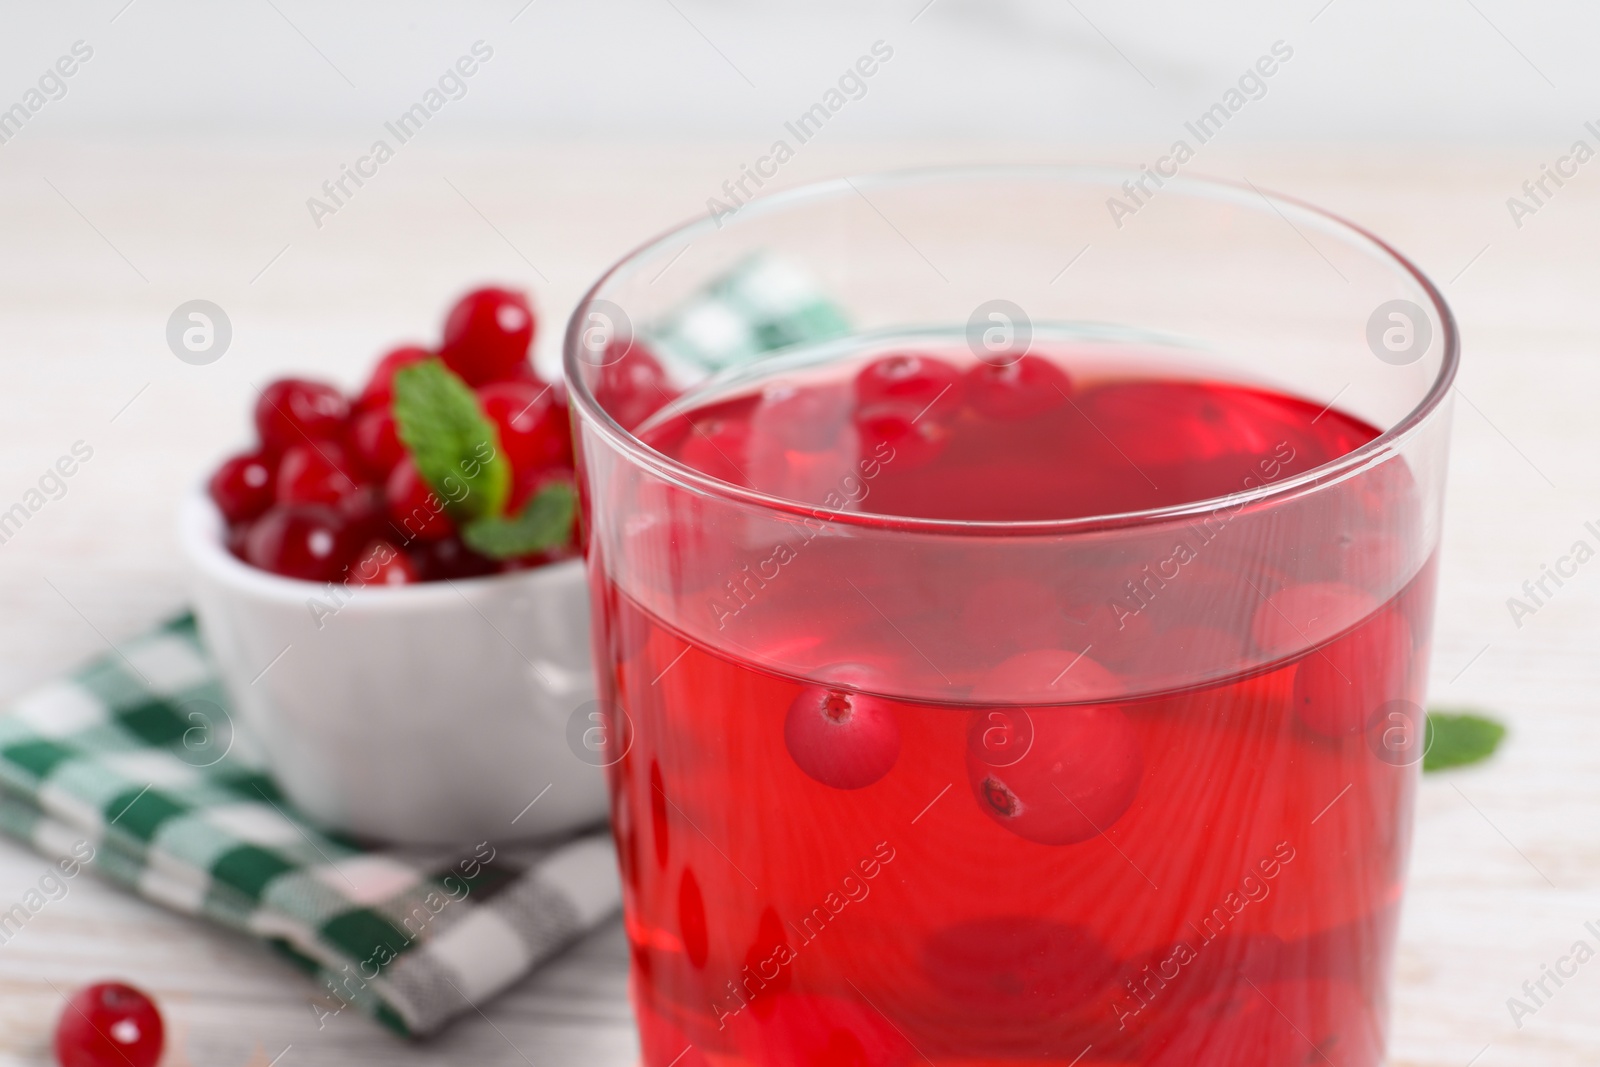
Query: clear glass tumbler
[948, 721]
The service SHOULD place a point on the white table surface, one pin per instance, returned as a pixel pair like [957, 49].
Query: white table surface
[100, 241]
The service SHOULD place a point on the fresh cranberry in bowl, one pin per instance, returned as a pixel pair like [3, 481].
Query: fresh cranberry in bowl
[375, 441]
[307, 541]
[317, 473]
[243, 486]
[413, 507]
[532, 422]
[379, 390]
[109, 1024]
[1028, 386]
[381, 563]
[293, 411]
[487, 335]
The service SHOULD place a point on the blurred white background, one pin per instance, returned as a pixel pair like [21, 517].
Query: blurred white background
[1043, 70]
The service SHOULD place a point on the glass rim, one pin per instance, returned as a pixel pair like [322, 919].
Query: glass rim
[1369, 454]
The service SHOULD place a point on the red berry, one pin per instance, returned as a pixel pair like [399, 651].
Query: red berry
[843, 739]
[531, 421]
[381, 563]
[899, 433]
[293, 411]
[243, 486]
[1299, 616]
[928, 384]
[307, 541]
[1055, 775]
[379, 390]
[631, 385]
[314, 474]
[487, 335]
[109, 1025]
[719, 447]
[448, 558]
[374, 440]
[413, 507]
[1339, 687]
[1030, 386]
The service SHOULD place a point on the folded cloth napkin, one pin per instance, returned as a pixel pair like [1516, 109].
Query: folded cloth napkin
[131, 767]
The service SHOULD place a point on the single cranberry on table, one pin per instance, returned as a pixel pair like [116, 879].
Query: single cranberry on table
[242, 487]
[378, 393]
[317, 473]
[413, 507]
[309, 541]
[381, 563]
[374, 440]
[293, 411]
[109, 1024]
[1028, 386]
[487, 335]
[841, 738]
[532, 423]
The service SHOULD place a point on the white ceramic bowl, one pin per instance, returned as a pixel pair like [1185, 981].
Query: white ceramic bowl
[420, 714]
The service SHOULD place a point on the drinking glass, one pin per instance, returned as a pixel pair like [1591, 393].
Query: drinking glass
[1131, 787]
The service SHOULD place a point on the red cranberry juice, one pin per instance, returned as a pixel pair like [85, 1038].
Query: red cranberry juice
[822, 871]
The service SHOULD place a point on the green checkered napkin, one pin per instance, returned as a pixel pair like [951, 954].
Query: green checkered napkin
[135, 755]
[762, 304]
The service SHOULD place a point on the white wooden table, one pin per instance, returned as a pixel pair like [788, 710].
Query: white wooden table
[101, 241]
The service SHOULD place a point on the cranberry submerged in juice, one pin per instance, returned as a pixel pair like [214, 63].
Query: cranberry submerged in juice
[1012, 795]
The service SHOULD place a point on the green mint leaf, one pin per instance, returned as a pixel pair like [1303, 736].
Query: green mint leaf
[545, 523]
[1457, 738]
[456, 448]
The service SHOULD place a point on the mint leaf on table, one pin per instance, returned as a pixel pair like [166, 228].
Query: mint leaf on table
[545, 523]
[456, 448]
[1457, 738]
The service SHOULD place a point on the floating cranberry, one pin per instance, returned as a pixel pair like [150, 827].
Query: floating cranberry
[532, 423]
[1055, 775]
[379, 390]
[308, 541]
[1032, 385]
[314, 474]
[487, 335]
[1046, 676]
[381, 563]
[293, 411]
[928, 384]
[243, 486]
[1339, 687]
[900, 434]
[1299, 616]
[375, 441]
[719, 447]
[631, 385]
[109, 1025]
[1077, 778]
[413, 507]
[841, 738]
